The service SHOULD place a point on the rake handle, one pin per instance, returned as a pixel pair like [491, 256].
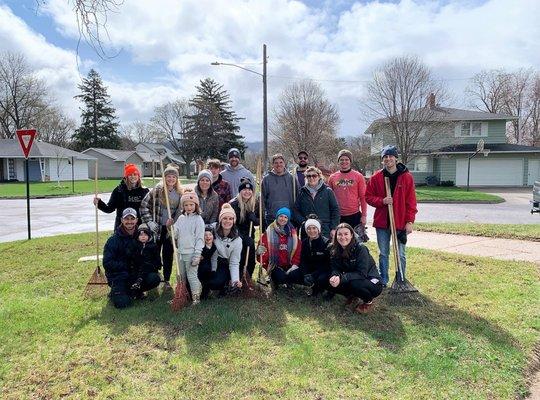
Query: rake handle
[395, 246]
[96, 213]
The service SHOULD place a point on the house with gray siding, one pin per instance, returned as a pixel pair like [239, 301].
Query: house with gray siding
[46, 162]
[452, 138]
[151, 152]
[111, 162]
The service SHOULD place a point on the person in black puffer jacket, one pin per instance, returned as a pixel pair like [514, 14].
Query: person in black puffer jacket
[129, 193]
[315, 257]
[146, 259]
[354, 272]
[118, 255]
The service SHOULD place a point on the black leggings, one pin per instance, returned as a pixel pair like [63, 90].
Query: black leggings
[247, 242]
[121, 293]
[353, 219]
[214, 280]
[165, 247]
[362, 288]
[280, 277]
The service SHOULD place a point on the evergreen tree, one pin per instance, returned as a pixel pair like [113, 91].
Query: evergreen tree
[213, 126]
[99, 124]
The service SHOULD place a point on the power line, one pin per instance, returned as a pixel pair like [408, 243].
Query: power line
[351, 81]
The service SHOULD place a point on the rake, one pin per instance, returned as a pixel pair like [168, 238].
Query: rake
[400, 284]
[262, 277]
[98, 277]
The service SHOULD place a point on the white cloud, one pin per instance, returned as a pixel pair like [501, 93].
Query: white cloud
[456, 39]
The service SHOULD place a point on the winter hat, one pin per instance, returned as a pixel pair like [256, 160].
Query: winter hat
[302, 152]
[313, 222]
[209, 228]
[204, 174]
[284, 211]
[234, 152]
[129, 211]
[189, 195]
[226, 210]
[389, 151]
[245, 184]
[131, 169]
[170, 170]
[345, 153]
[144, 228]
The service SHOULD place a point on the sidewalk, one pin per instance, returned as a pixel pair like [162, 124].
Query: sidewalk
[502, 249]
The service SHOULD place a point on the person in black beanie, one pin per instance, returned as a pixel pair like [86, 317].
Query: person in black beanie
[315, 258]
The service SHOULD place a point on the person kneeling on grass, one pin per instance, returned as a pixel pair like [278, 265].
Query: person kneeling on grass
[118, 255]
[354, 272]
[224, 273]
[189, 233]
[279, 251]
[315, 257]
[146, 258]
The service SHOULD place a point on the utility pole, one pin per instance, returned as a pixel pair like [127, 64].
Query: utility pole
[265, 112]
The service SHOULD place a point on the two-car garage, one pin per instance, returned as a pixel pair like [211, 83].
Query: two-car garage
[490, 171]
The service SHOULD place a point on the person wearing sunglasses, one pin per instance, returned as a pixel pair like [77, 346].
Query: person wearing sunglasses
[317, 198]
[302, 161]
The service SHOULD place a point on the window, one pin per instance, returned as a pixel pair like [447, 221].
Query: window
[419, 164]
[471, 129]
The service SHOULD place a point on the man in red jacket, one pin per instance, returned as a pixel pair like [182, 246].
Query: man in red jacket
[403, 199]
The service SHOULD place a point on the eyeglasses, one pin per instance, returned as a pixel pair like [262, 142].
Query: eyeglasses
[302, 158]
[312, 176]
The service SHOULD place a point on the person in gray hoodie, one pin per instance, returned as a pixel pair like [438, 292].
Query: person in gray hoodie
[279, 189]
[234, 171]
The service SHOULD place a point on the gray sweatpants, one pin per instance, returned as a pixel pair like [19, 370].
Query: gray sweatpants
[190, 272]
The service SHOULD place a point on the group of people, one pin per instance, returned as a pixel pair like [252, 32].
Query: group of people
[310, 229]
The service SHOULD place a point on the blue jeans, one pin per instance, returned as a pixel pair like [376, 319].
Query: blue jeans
[383, 241]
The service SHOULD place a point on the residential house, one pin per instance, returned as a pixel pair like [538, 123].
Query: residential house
[111, 162]
[152, 153]
[445, 155]
[46, 162]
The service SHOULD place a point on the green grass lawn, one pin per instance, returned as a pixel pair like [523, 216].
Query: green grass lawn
[440, 193]
[18, 189]
[507, 231]
[469, 337]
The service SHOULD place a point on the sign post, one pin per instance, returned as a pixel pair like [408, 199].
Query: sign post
[26, 139]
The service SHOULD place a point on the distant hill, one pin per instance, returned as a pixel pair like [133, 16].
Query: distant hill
[254, 147]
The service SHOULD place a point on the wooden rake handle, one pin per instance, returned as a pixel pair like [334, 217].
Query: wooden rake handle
[393, 231]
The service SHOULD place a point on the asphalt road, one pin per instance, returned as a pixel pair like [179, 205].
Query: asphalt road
[76, 214]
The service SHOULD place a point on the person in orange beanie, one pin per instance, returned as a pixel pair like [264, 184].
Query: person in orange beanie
[129, 193]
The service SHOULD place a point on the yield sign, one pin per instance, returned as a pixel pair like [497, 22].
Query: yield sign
[26, 139]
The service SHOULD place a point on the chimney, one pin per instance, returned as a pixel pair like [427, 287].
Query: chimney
[431, 101]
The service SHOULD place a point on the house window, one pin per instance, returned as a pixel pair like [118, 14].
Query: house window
[471, 129]
[419, 164]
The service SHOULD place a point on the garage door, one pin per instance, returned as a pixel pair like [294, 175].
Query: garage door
[487, 171]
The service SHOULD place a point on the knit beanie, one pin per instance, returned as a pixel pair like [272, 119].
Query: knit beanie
[345, 153]
[204, 174]
[170, 170]
[389, 150]
[284, 211]
[189, 195]
[226, 210]
[234, 152]
[245, 184]
[313, 222]
[144, 228]
[131, 169]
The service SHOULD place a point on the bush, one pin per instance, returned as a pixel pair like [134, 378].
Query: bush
[432, 180]
[447, 183]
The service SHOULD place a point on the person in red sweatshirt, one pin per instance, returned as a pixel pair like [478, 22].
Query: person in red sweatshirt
[349, 186]
[279, 251]
[403, 199]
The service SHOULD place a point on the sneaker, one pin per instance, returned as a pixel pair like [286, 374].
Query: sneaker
[196, 300]
[364, 307]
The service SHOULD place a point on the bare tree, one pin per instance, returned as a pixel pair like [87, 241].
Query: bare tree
[171, 121]
[516, 102]
[396, 99]
[143, 132]
[304, 119]
[23, 96]
[487, 89]
[534, 104]
[54, 127]
[360, 147]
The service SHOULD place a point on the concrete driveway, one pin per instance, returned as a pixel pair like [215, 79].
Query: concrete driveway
[515, 210]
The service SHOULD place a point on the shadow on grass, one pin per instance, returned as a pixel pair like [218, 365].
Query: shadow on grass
[214, 322]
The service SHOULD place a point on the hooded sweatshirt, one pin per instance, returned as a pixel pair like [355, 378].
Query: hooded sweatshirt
[234, 175]
[122, 198]
[278, 191]
[189, 231]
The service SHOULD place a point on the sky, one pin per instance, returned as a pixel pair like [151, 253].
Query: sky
[160, 49]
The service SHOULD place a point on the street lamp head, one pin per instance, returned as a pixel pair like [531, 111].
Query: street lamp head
[215, 63]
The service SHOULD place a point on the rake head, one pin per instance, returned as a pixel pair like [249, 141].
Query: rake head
[181, 296]
[402, 286]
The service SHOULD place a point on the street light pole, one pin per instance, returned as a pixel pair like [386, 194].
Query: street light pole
[265, 101]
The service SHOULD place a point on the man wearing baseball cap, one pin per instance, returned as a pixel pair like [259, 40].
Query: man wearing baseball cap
[234, 171]
[403, 199]
[118, 256]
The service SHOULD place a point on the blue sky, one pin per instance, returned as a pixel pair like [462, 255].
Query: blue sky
[166, 46]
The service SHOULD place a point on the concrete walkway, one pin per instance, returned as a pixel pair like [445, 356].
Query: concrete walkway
[502, 249]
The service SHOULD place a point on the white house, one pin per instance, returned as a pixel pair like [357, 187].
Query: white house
[47, 162]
